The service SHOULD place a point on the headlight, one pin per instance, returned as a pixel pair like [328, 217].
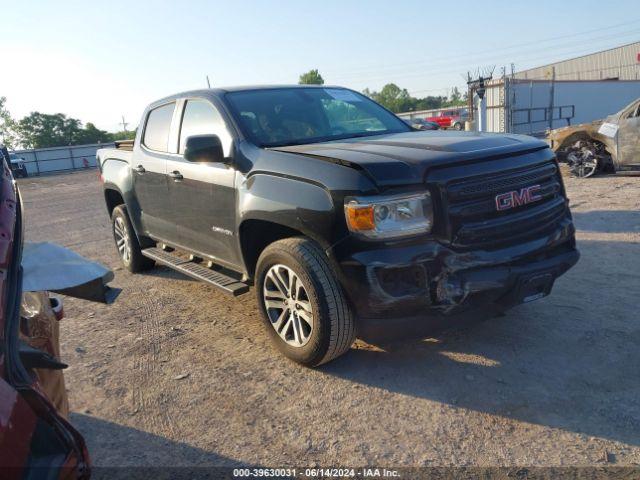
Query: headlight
[390, 217]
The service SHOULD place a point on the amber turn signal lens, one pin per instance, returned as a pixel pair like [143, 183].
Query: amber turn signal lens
[360, 217]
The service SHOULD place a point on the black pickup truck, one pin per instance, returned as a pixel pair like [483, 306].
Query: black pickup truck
[345, 219]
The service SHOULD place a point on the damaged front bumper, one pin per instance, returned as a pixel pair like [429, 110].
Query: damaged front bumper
[421, 285]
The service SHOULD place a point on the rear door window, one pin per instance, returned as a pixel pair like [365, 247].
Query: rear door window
[156, 132]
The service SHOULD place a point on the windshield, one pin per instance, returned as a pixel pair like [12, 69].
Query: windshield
[294, 116]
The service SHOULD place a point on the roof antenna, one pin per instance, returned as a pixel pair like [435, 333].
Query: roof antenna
[208, 84]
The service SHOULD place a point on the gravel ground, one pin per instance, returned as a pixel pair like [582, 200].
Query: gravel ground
[554, 382]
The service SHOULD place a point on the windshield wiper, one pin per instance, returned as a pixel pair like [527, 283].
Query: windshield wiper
[310, 141]
[306, 141]
[364, 134]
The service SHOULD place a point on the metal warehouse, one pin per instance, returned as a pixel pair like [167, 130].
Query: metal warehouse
[569, 92]
[620, 63]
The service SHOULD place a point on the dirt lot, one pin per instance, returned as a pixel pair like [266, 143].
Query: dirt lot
[554, 382]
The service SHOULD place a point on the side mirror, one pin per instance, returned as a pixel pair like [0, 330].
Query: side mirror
[204, 148]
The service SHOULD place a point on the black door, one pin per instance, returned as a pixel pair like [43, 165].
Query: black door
[149, 164]
[202, 195]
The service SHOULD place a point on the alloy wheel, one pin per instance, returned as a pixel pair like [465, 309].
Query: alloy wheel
[122, 239]
[287, 304]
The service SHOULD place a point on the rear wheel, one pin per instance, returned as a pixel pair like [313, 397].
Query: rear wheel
[303, 306]
[127, 242]
[457, 126]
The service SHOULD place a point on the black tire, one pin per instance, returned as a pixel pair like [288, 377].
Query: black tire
[134, 261]
[333, 330]
[457, 126]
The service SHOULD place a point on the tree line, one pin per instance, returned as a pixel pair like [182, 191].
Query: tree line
[44, 130]
[395, 98]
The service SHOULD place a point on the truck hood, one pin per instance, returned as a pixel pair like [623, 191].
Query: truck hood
[405, 158]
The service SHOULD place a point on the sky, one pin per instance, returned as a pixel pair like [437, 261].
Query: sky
[101, 60]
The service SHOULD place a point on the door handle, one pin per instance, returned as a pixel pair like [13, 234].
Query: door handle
[176, 175]
[139, 169]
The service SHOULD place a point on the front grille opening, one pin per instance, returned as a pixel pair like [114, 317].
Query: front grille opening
[475, 221]
[497, 183]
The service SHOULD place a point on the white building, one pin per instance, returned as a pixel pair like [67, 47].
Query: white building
[570, 92]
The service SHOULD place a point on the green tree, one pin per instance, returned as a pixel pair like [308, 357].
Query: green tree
[124, 135]
[42, 130]
[91, 134]
[456, 98]
[455, 95]
[8, 135]
[399, 100]
[430, 102]
[393, 97]
[312, 77]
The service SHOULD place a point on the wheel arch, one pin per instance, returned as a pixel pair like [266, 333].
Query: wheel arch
[272, 207]
[610, 163]
[256, 233]
[573, 138]
[583, 135]
[113, 197]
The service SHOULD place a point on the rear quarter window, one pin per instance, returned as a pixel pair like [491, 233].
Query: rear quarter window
[156, 132]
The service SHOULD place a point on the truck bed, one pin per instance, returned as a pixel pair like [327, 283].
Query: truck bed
[124, 145]
[104, 154]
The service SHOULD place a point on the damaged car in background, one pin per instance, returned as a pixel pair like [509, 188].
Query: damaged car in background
[610, 145]
[36, 438]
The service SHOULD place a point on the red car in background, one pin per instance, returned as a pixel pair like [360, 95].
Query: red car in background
[36, 439]
[453, 118]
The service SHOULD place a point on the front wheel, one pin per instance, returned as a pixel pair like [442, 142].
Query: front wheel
[303, 306]
[458, 126]
[127, 242]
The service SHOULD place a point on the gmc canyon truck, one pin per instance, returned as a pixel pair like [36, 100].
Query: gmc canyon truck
[345, 220]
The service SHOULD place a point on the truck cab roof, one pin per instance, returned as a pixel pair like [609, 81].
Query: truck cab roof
[219, 91]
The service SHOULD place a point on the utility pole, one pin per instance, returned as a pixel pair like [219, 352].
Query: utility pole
[124, 124]
[208, 83]
[476, 83]
[551, 95]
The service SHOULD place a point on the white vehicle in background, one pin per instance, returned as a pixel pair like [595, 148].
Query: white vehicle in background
[18, 167]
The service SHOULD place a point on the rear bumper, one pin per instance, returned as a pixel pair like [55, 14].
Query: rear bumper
[425, 285]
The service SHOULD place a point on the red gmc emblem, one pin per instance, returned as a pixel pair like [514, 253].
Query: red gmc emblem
[525, 195]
